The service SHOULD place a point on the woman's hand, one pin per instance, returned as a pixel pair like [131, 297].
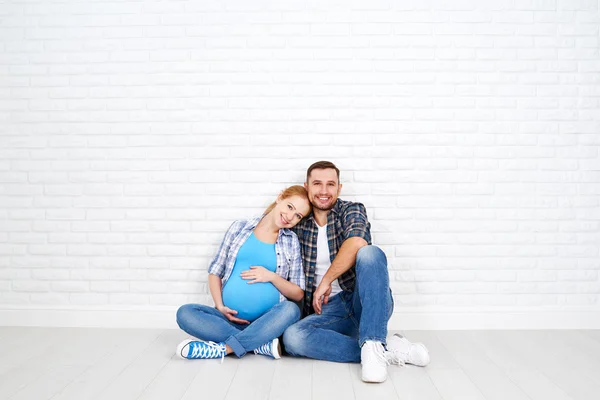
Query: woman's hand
[230, 315]
[258, 274]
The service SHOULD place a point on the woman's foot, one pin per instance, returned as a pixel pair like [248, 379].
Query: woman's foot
[271, 349]
[199, 349]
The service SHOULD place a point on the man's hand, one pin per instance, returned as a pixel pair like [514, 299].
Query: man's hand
[321, 296]
[230, 315]
[257, 274]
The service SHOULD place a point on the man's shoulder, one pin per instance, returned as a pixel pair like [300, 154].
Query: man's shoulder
[306, 223]
[345, 206]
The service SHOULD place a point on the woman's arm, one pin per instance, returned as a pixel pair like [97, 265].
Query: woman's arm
[260, 274]
[215, 286]
[287, 288]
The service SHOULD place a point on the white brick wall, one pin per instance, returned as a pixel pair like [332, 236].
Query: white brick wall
[134, 132]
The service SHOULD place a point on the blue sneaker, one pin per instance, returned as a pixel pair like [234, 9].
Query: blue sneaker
[199, 349]
[271, 349]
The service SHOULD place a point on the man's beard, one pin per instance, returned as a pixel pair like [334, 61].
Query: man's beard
[327, 208]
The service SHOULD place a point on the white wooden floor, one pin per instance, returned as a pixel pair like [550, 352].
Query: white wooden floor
[113, 364]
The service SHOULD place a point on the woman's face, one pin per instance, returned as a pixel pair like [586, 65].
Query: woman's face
[289, 211]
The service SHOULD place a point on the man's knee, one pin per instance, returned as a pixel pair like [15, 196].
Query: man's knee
[294, 339]
[370, 256]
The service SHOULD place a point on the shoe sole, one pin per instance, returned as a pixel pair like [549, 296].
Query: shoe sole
[276, 349]
[368, 379]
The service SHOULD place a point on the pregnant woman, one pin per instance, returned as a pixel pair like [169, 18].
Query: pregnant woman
[257, 269]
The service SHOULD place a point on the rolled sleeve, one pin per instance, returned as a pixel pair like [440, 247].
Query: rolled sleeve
[356, 223]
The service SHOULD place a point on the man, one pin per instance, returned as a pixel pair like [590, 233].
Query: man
[347, 301]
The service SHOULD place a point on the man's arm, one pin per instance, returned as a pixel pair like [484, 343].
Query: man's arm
[343, 261]
[357, 234]
[345, 258]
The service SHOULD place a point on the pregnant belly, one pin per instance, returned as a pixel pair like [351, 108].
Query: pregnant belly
[250, 301]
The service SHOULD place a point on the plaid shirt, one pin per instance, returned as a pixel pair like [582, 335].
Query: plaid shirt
[287, 248]
[345, 220]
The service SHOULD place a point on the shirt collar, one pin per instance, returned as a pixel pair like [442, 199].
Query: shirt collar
[335, 209]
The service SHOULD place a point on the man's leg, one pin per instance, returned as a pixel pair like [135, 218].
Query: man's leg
[330, 336]
[373, 303]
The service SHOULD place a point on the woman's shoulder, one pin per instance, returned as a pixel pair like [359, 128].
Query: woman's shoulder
[240, 225]
[250, 222]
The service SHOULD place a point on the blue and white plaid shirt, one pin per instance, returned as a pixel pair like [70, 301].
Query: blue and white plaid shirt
[287, 248]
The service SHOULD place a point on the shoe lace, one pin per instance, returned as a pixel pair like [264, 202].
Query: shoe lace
[264, 350]
[381, 355]
[397, 357]
[208, 350]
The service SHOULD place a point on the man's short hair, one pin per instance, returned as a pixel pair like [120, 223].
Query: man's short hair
[322, 165]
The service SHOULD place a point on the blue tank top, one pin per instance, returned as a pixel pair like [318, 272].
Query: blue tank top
[251, 301]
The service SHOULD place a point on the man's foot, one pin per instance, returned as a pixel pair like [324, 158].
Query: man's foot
[271, 349]
[405, 352]
[199, 349]
[374, 360]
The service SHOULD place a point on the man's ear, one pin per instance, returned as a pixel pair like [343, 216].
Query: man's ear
[339, 189]
[306, 186]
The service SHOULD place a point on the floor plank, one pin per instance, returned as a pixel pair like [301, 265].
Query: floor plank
[518, 368]
[331, 381]
[534, 346]
[292, 379]
[253, 379]
[102, 364]
[440, 356]
[213, 379]
[99, 375]
[594, 334]
[484, 373]
[18, 372]
[413, 383]
[134, 379]
[49, 384]
[369, 391]
[454, 384]
[173, 380]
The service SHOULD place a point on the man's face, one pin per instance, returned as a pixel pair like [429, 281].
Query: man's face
[323, 188]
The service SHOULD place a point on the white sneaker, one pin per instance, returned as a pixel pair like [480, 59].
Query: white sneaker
[374, 360]
[405, 352]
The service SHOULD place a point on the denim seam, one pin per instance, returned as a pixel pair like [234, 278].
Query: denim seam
[372, 338]
[235, 346]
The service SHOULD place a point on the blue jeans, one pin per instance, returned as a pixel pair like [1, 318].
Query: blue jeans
[208, 323]
[350, 318]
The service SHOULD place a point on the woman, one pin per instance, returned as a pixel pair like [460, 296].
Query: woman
[257, 268]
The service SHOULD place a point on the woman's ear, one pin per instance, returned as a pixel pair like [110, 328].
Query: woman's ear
[279, 197]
